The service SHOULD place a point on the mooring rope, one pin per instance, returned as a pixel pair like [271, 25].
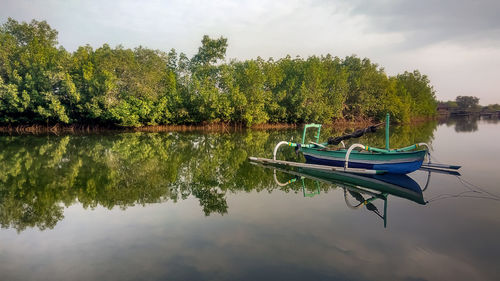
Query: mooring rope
[481, 190]
[471, 188]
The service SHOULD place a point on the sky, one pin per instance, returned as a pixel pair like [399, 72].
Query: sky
[456, 43]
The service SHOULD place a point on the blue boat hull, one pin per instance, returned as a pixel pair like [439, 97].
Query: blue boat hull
[393, 167]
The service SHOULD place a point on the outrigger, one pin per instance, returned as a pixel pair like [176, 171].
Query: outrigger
[358, 158]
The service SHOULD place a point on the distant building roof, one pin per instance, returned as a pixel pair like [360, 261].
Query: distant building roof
[442, 106]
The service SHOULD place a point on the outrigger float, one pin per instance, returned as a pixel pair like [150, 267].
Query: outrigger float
[358, 158]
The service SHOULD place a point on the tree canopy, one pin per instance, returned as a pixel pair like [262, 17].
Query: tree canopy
[41, 82]
[467, 102]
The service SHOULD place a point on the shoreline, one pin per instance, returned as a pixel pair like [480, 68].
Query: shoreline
[211, 127]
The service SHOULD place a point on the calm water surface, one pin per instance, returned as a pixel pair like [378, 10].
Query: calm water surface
[189, 206]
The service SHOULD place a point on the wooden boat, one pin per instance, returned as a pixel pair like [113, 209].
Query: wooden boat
[358, 158]
[392, 162]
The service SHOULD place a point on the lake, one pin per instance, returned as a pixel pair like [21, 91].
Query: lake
[190, 206]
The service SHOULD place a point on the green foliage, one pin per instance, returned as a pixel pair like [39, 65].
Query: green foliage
[448, 104]
[420, 93]
[31, 64]
[467, 102]
[43, 83]
[210, 51]
[250, 80]
[492, 107]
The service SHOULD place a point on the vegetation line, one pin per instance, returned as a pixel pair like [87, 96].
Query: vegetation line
[343, 125]
[43, 84]
[59, 128]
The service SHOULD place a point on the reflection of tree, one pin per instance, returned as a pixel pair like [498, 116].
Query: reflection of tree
[490, 120]
[39, 175]
[18, 215]
[468, 124]
[465, 123]
[211, 200]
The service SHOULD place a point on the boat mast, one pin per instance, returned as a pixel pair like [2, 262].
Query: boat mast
[387, 117]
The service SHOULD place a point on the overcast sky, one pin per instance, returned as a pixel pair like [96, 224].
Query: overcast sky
[454, 42]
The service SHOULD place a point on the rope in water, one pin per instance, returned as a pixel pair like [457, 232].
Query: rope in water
[471, 188]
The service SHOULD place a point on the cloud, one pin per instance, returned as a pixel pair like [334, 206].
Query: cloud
[426, 21]
[400, 35]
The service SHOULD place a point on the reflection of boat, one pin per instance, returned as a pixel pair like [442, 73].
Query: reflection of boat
[368, 160]
[389, 184]
[398, 185]
[363, 188]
